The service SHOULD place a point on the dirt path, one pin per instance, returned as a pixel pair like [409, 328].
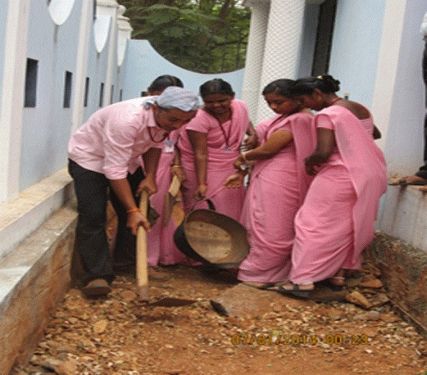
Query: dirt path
[120, 335]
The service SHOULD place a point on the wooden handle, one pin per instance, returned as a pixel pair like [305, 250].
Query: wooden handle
[174, 186]
[141, 253]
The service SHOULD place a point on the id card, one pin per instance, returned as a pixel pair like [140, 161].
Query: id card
[168, 146]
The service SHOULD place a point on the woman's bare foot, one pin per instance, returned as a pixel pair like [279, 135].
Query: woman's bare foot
[303, 287]
[338, 279]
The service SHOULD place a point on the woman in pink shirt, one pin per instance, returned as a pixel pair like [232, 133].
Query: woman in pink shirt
[161, 246]
[106, 152]
[210, 144]
[336, 221]
[278, 184]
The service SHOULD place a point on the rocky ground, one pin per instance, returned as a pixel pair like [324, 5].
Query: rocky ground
[265, 332]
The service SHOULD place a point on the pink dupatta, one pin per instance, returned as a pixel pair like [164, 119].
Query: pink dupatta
[304, 139]
[367, 168]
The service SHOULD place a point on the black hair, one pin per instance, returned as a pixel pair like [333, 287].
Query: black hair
[279, 86]
[215, 86]
[325, 83]
[161, 82]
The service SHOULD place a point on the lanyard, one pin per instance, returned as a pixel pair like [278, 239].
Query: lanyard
[226, 136]
[152, 138]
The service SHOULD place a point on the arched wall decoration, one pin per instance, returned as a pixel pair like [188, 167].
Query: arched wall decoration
[102, 26]
[60, 10]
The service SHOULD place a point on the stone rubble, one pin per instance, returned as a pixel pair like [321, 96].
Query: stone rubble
[123, 336]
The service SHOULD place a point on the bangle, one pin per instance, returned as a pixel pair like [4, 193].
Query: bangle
[176, 166]
[243, 155]
[132, 210]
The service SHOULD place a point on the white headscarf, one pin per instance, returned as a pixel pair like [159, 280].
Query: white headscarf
[177, 97]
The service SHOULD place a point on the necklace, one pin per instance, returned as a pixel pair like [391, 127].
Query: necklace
[152, 138]
[335, 100]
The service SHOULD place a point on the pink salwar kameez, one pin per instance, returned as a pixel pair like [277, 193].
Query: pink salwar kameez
[276, 191]
[223, 149]
[336, 221]
[161, 246]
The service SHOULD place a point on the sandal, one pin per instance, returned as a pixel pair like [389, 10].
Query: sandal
[295, 290]
[262, 286]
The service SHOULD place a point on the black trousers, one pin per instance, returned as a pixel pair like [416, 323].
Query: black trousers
[92, 192]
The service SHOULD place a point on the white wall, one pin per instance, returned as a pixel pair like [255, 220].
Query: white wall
[355, 44]
[404, 142]
[46, 128]
[3, 6]
[143, 64]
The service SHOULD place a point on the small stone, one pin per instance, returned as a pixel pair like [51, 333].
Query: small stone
[372, 283]
[358, 299]
[229, 351]
[169, 346]
[379, 300]
[68, 367]
[128, 295]
[372, 315]
[389, 318]
[65, 348]
[100, 326]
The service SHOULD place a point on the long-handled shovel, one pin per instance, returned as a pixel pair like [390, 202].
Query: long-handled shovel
[141, 253]
[142, 265]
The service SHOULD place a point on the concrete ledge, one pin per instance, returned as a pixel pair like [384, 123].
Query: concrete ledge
[404, 215]
[24, 214]
[33, 279]
[404, 271]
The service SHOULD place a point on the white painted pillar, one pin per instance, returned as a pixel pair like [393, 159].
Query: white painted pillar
[86, 23]
[254, 54]
[13, 83]
[109, 8]
[387, 66]
[282, 45]
[124, 34]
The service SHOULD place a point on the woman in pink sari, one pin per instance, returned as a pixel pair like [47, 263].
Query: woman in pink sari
[336, 221]
[277, 188]
[161, 246]
[209, 146]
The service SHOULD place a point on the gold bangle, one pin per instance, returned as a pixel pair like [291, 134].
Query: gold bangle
[176, 166]
[132, 210]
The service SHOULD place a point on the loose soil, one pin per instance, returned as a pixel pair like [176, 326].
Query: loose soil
[121, 335]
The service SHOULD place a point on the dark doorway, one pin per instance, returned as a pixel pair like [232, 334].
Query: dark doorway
[325, 30]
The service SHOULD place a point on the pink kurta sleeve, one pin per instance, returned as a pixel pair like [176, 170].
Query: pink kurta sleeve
[323, 121]
[200, 123]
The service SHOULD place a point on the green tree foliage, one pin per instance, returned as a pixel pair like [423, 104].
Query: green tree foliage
[206, 36]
